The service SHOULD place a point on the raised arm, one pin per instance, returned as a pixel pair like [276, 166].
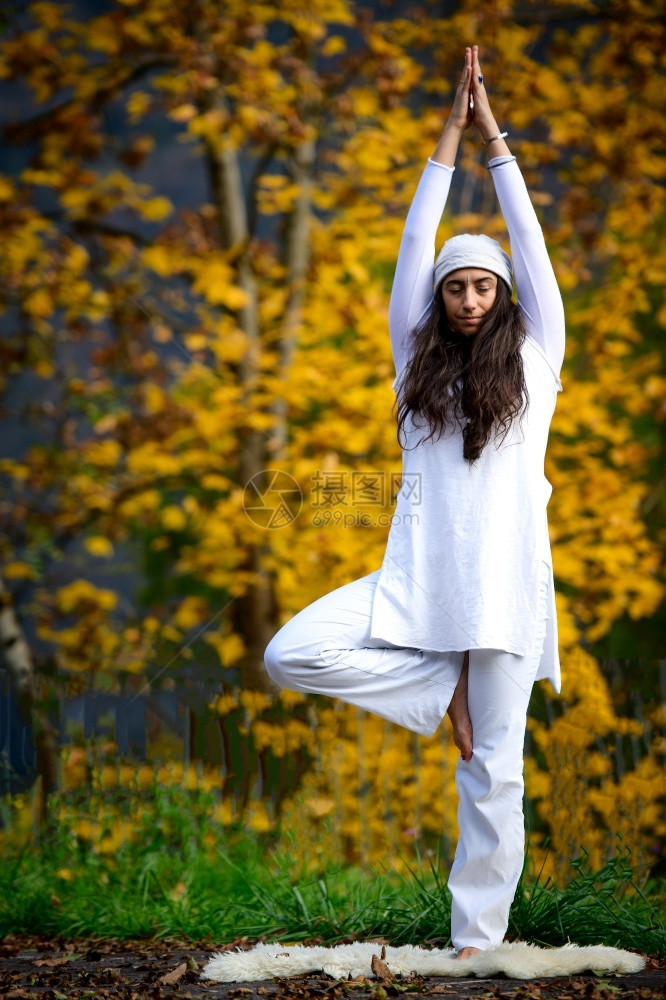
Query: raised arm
[411, 293]
[412, 285]
[538, 295]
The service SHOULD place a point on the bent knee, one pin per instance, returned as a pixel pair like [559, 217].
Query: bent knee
[274, 661]
[293, 653]
[286, 655]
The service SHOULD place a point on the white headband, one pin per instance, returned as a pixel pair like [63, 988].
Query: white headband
[473, 251]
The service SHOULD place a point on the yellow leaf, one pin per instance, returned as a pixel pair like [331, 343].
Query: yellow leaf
[155, 208]
[259, 820]
[173, 518]
[18, 571]
[191, 612]
[320, 807]
[214, 280]
[196, 341]
[39, 303]
[49, 15]
[104, 453]
[162, 334]
[333, 46]
[161, 260]
[97, 545]
[183, 113]
[80, 591]
[174, 634]
[137, 105]
[229, 648]
[134, 666]
[153, 398]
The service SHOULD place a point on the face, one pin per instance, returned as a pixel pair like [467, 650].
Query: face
[468, 294]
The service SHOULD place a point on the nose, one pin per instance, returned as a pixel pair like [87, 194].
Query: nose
[469, 299]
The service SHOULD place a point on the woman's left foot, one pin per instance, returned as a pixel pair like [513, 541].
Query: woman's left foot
[468, 952]
[458, 712]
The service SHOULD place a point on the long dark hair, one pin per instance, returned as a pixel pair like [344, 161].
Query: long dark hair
[451, 377]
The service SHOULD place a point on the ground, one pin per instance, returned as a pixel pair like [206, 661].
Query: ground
[34, 968]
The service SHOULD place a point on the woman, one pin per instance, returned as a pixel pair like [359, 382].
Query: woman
[461, 616]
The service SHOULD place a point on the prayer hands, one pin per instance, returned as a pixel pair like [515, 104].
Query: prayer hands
[462, 112]
[478, 97]
[471, 104]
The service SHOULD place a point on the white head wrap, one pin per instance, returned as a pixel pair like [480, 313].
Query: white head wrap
[473, 251]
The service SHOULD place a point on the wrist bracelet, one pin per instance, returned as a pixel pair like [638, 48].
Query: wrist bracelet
[499, 161]
[500, 135]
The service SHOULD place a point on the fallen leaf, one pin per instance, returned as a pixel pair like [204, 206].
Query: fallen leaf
[380, 968]
[172, 977]
[108, 975]
[51, 962]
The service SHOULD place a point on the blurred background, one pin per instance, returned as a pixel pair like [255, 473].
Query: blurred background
[200, 208]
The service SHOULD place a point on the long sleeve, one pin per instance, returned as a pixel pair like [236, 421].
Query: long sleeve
[538, 295]
[412, 290]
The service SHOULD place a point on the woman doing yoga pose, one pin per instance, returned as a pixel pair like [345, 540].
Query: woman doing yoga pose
[460, 618]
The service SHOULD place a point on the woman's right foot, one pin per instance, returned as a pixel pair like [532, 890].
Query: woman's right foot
[468, 952]
[458, 713]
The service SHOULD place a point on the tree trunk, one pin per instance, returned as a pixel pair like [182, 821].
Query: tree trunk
[297, 259]
[252, 612]
[17, 657]
[16, 654]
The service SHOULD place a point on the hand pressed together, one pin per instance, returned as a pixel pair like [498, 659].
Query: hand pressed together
[471, 106]
[482, 114]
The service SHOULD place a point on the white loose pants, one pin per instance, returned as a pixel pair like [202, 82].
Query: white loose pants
[326, 649]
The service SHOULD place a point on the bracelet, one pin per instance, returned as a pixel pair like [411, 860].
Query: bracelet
[502, 160]
[500, 135]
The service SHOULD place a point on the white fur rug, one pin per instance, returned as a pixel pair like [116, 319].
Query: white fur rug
[517, 960]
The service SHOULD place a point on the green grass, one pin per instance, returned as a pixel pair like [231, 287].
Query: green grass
[168, 884]
[607, 906]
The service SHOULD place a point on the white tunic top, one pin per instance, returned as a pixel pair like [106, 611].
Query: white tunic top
[469, 543]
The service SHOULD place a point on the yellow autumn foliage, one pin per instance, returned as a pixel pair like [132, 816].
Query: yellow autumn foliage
[374, 788]
[214, 353]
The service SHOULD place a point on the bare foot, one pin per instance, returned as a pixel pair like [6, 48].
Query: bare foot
[458, 713]
[468, 952]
